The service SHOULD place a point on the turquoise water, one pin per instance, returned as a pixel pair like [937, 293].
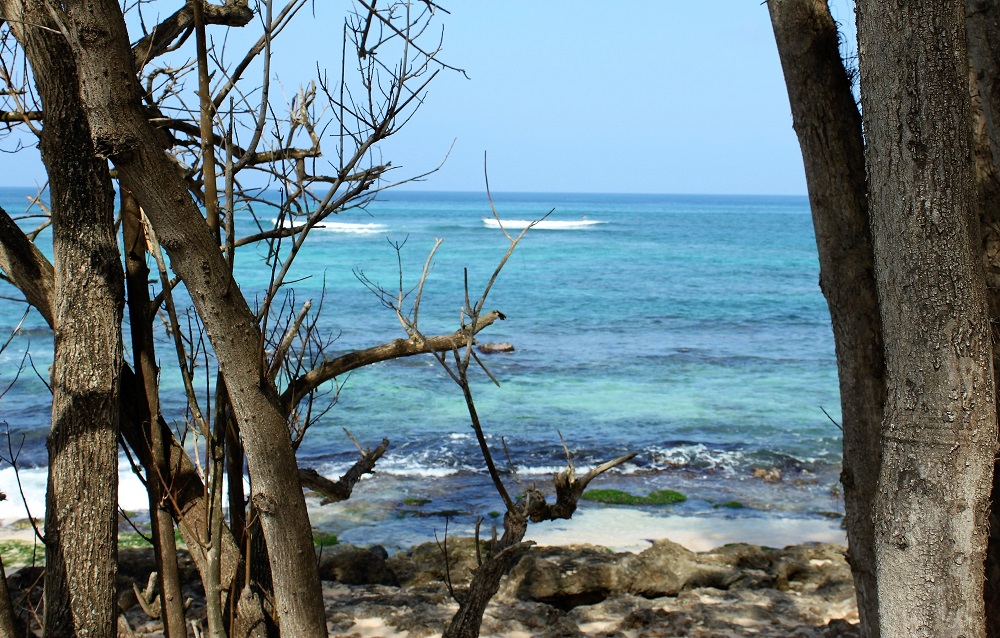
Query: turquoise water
[688, 329]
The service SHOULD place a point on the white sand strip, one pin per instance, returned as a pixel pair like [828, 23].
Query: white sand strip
[629, 530]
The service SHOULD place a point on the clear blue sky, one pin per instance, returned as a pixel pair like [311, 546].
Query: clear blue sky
[584, 96]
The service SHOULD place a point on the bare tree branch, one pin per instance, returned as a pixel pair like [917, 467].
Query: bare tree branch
[340, 490]
[301, 386]
[234, 13]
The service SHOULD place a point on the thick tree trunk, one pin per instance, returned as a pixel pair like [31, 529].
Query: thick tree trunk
[982, 28]
[82, 499]
[940, 427]
[828, 125]
[120, 131]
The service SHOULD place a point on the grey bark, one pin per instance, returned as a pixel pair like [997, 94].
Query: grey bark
[828, 125]
[82, 497]
[939, 431]
[99, 42]
[982, 28]
[146, 393]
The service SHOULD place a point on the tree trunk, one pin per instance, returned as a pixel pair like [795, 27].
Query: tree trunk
[120, 131]
[982, 28]
[828, 125]
[82, 499]
[148, 401]
[940, 426]
[486, 579]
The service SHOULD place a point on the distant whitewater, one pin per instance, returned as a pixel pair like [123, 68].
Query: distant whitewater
[545, 224]
[336, 227]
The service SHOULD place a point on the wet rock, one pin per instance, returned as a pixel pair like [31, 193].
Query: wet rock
[496, 347]
[768, 474]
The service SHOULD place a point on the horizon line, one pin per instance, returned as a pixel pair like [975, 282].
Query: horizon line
[402, 189]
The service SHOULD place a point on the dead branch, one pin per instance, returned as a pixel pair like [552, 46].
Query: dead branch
[569, 489]
[12, 117]
[26, 267]
[301, 386]
[286, 342]
[341, 489]
[234, 13]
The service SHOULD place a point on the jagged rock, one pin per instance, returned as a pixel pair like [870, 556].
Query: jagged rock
[526, 617]
[811, 568]
[729, 591]
[354, 566]
[418, 612]
[426, 564]
[666, 568]
[496, 347]
[566, 577]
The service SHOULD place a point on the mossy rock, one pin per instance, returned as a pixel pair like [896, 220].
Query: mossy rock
[665, 497]
[416, 502]
[733, 505]
[493, 514]
[612, 497]
[324, 539]
[618, 497]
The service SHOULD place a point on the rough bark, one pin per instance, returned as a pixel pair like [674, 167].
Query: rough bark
[99, 42]
[982, 28]
[26, 267]
[486, 579]
[32, 274]
[940, 423]
[828, 125]
[146, 393]
[82, 498]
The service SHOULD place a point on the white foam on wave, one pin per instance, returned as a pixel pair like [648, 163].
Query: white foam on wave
[545, 224]
[356, 229]
[697, 455]
[131, 492]
[337, 227]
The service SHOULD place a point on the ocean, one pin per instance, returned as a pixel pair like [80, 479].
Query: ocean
[688, 329]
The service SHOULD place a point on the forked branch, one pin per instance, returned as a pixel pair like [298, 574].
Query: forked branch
[341, 489]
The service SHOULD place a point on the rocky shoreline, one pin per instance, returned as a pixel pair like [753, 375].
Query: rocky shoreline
[801, 591]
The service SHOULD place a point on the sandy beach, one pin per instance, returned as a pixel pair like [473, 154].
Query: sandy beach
[628, 530]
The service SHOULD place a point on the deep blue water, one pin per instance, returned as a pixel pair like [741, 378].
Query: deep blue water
[689, 329]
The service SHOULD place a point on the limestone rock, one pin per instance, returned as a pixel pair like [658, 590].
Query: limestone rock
[666, 569]
[354, 566]
[566, 577]
[426, 564]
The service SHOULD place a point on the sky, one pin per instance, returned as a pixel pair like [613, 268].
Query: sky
[582, 96]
